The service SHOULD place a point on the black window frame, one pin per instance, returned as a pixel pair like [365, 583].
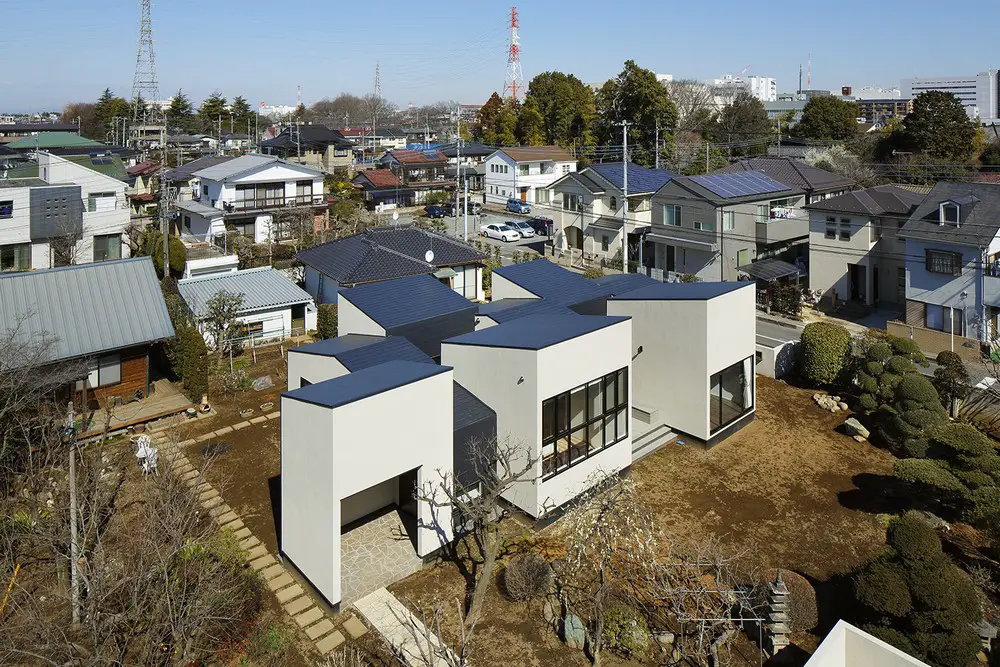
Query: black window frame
[614, 412]
[747, 410]
[931, 256]
[6, 209]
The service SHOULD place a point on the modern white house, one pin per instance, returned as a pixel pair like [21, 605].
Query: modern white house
[67, 214]
[589, 207]
[331, 358]
[525, 172]
[248, 195]
[273, 306]
[355, 444]
[560, 386]
[693, 347]
[848, 646]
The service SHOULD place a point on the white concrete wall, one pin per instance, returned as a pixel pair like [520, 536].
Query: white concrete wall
[313, 367]
[211, 265]
[829, 258]
[731, 334]
[502, 186]
[351, 320]
[505, 289]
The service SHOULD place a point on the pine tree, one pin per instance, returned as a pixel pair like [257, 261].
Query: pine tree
[180, 114]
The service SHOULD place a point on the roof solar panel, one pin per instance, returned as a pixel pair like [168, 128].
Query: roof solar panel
[742, 184]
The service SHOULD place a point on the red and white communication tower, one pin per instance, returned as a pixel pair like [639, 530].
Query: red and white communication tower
[515, 77]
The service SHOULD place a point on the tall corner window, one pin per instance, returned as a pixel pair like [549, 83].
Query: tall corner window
[944, 262]
[671, 215]
[15, 257]
[763, 212]
[6, 208]
[729, 220]
[581, 422]
[730, 394]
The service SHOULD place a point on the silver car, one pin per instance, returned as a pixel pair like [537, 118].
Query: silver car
[522, 228]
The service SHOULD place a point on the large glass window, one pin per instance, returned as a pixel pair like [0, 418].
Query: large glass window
[15, 257]
[107, 247]
[671, 215]
[730, 394]
[102, 372]
[582, 421]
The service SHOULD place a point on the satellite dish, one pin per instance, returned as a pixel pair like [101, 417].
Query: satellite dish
[395, 215]
[429, 256]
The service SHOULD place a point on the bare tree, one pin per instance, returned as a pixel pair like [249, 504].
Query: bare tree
[221, 317]
[424, 644]
[478, 510]
[695, 102]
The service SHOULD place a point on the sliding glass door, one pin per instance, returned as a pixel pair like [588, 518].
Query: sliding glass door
[730, 394]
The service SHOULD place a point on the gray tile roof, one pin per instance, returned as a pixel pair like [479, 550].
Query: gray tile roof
[692, 185]
[536, 332]
[791, 172]
[979, 222]
[88, 308]
[197, 208]
[244, 164]
[185, 171]
[875, 201]
[358, 351]
[365, 383]
[619, 283]
[262, 289]
[468, 409]
[385, 253]
[395, 303]
[552, 282]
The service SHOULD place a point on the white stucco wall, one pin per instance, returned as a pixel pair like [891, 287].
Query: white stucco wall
[505, 289]
[313, 367]
[351, 320]
[731, 334]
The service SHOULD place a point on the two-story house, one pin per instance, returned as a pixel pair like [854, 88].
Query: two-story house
[589, 207]
[66, 213]
[419, 173]
[181, 178]
[818, 183]
[525, 173]
[315, 146]
[854, 251]
[143, 188]
[710, 225]
[953, 260]
[249, 195]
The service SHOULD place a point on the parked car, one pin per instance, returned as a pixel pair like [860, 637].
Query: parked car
[434, 211]
[542, 226]
[522, 228]
[500, 231]
[518, 206]
[475, 208]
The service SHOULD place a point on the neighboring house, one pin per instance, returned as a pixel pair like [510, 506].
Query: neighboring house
[13, 131]
[385, 253]
[848, 646]
[236, 142]
[248, 195]
[381, 189]
[854, 252]
[817, 183]
[953, 260]
[273, 306]
[383, 139]
[54, 140]
[880, 110]
[66, 213]
[525, 173]
[205, 259]
[433, 314]
[420, 173]
[142, 193]
[710, 225]
[107, 316]
[591, 207]
[315, 146]
[183, 180]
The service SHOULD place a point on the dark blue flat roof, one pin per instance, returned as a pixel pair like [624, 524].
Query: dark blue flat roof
[552, 282]
[682, 291]
[364, 383]
[393, 303]
[535, 332]
[506, 310]
[358, 351]
[619, 283]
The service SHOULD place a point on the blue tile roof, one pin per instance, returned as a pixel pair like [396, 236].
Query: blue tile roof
[741, 184]
[393, 303]
[641, 180]
[506, 310]
[359, 351]
[552, 282]
[619, 283]
[700, 291]
[536, 332]
[365, 383]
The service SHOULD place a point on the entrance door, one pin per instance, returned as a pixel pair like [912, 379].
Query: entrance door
[875, 284]
[524, 194]
[856, 278]
[299, 317]
[574, 238]
[407, 493]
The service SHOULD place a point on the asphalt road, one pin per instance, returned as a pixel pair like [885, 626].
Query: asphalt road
[455, 226]
[771, 333]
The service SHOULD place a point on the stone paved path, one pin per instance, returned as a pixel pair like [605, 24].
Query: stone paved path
[374, 555]
[294, 599]
[405, 633]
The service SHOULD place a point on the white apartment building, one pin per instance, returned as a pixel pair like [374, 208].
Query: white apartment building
[525, 173]
[978, 92]
[764, 88]
[68, 214]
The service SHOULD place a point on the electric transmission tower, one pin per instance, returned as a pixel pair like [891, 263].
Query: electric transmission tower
[515, 77]
[144, 86]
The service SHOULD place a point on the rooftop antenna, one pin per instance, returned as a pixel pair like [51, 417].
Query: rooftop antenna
[800, 78]
[515, 77]
[809, 75]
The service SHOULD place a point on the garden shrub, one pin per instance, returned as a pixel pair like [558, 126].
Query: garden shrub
[914, 409]
[326, 320]
[951, 379]
[904, 347]
[176, 252]
[193, 362]
[625, 631]
[826, 349]
[236, 381]
[527, 576]
[593, 272]
[787, 299]
[927, 472]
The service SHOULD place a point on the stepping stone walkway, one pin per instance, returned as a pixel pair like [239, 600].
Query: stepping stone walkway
[294, 599]
[404, 632]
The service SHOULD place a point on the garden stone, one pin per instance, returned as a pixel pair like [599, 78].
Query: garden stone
[574, 633]
[547, 611]
[859, 439]
[664, 639]
[843, 406]
[854, 427]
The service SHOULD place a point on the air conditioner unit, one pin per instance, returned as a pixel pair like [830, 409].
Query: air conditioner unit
[289, 204]
[318, 200]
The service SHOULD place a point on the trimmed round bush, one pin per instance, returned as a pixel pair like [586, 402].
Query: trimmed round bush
[881, 587]
[954, 439]
[905, 347]
[527, 576]
[826, 350]
[625, 631]
[899, 365]
[913, 539]
[927, 472]
[802, 610]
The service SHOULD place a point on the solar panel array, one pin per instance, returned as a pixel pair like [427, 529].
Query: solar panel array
[743, 184]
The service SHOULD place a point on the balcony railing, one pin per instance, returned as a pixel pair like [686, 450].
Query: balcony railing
[271, 202]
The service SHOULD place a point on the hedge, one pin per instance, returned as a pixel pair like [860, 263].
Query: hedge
[826, 350]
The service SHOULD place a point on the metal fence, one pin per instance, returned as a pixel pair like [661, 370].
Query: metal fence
[932, 341]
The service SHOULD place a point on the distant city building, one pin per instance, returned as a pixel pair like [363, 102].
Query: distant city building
[726, 89]
[978, 92]
[665, 78]
[877, 110]
[276, 110]
[873, 93]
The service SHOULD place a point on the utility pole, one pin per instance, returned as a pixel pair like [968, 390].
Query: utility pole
[164, 202]
[458, 164]
[657, 144]
[74, 547]
[466, 209]
[625, 125]
[779, 136]
[706, 157]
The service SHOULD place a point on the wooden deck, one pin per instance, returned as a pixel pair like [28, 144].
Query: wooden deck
[165, 400]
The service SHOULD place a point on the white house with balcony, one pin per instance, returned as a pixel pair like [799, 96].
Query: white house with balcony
[67, 214]
[525, 173]
[248, 195]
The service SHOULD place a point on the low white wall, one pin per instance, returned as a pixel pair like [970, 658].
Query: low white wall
[312, 367]
[776, 362]
[505, 289]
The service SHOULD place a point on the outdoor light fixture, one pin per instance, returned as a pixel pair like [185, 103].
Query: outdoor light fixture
[520, 379]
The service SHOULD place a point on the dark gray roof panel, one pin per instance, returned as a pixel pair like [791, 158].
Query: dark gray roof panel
[979, 222]
[185, 171]
[550, 281]
[395, 303]
[468, 409]
[874, 201]
[619, 283]
[88, 308]
[365, 383]
[506, 310]
[536, 332]
[770, 269]
[358, 351]
[641, 180]
[792, 172]
[700, 291]
[741, 184]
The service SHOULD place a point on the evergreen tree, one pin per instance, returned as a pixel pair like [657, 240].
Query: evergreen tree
[241, 113]
[180, 114]
[567, 107]
[507, 122]
[211, 111]
[743, 120]
[940, 126]
[488, 120]
[637, 97]
[107, 108]
[826, 117]
[530, 125]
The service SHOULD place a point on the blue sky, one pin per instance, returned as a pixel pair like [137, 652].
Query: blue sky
[59, 51]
